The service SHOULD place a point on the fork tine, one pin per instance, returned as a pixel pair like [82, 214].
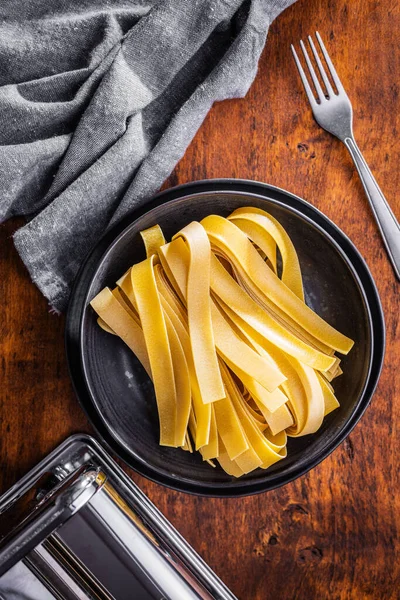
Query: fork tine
[321, 68]
[304, 79]
[331, 68]
[315, 80]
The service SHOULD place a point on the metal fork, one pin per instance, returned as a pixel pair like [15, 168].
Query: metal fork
[333, 112]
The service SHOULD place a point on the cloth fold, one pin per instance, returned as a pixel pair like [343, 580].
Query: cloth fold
[98, 102]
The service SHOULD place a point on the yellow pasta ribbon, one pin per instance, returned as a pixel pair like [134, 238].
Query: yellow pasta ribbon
[158, 347]
[202, 412]
[121, 323]
[199, 313]
[153, 238]
[260, 228]
[211, 450]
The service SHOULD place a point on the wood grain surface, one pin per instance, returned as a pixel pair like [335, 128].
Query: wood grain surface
[334, 533]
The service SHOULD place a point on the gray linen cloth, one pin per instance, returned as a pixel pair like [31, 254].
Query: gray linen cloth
[98, 101]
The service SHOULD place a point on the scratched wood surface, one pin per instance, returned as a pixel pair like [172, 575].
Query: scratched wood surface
[334, 533]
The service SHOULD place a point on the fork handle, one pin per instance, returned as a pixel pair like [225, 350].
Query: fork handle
[387, 222]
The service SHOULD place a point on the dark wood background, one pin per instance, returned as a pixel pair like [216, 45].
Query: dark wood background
[332, 534]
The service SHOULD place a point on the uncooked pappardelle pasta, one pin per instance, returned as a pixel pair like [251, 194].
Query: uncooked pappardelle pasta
[217, 318]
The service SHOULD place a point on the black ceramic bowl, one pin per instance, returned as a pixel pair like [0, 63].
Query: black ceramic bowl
[118, 396]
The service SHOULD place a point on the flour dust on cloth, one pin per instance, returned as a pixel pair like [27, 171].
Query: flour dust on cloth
[98, 101]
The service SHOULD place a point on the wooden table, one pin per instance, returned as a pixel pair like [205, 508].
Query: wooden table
[332, 534]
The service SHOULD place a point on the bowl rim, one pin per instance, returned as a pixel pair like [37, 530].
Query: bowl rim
[78, 302]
